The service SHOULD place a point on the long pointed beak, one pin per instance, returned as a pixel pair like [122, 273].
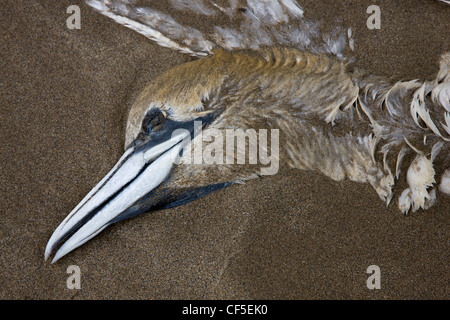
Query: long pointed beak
[139, 171]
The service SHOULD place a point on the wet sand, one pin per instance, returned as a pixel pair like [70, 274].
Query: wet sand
[296, 235]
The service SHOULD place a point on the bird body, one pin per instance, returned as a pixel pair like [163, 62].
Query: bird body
[330, 118]
[328, 122]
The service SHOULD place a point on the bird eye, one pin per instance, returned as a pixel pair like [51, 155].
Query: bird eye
[153, 121]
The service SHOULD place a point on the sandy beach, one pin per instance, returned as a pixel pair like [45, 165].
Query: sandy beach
[64, 98]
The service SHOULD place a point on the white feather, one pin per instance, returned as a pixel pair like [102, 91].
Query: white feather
[444, 187]
[447, 123]
[420, 176]
[418, 108]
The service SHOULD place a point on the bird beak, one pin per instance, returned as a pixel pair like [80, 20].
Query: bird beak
[141, 169]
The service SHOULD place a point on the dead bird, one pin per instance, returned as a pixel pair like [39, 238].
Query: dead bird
[274, 72]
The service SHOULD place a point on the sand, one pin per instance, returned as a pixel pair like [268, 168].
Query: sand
[296, 235]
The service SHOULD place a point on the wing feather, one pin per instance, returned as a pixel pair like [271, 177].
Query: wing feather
[250, 24]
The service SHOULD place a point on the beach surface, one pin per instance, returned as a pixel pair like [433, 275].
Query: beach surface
[64, 98]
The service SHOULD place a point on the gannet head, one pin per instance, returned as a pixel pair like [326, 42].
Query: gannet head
[160, 123]
[163, 125]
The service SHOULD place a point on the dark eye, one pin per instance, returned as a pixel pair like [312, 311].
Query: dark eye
[153, 121]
